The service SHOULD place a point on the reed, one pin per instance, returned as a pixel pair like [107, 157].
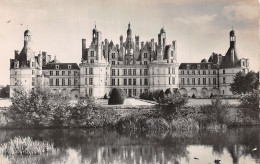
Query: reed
[26, 146]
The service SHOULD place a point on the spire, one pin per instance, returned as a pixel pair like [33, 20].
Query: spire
[129, 25]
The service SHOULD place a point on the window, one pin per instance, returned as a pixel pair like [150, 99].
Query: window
[86, 71]
[209, 72]
[33, 65]
[134, 72]
[118, 72]
[169, 70]
[57, 82]
[145, 81]
[91, 71]
[92, 53]
[75, 73]
[145, 55]
[129, 81]
[188, 72]
[129, 72]
[188, 66]
[134, 81]
[33, 81]
[113, 55]
[51, 73]
[90, 81]
[198, 81]
[113, 82]
[113, 63]
[125, 72]
[140, 72]
[214, 81]
[169, 80]
[145, 72]
[182, 81]
[224, 71]
[118, 82]
[204, 81]
[125, 81]
[69, 66]
[199, 72]
[173, 70]
[171, 53]
[75, 81]
[69, 82]
[182, 72]
[141, 91]
[171, 60]
[198, 66]
[224, 80]
[193, 81]
[69, 72]
[57, 73]
[173, 80]
[193, 72]
[140, 63]
[51, 82]
[204, 72]
[125, 91]
[134, 92]
[188, 81]
[86, 81]
[209, 81]
[145, 62]
[57, 66]
[63, 81]
[141, 82]
[91, 61]
[63, 73]
[214, 72]
[90, 91]
[33, 72]
[113, 72]
[243, 63]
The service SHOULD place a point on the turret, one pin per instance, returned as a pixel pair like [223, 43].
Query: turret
[27, 38]
[16, 54]
[162, 38]
[232, 37]
[129, 31]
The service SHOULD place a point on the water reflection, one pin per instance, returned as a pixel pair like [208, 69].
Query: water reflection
[110, 146]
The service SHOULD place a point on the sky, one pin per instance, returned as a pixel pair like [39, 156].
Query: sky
[200, 27]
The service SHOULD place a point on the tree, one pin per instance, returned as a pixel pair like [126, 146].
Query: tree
[245, 83]
[5, 92]
[116, 96]
[168, 91]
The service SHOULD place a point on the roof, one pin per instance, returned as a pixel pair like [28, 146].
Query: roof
[195, 65]
[61, 66]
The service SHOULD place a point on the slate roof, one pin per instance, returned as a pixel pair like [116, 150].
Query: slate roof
[61, 66]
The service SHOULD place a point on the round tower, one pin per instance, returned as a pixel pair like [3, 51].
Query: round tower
[27, 38]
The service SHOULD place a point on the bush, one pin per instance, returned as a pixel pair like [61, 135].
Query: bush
[116, 96]
[250, 104]
[38, 108]
[26, 146]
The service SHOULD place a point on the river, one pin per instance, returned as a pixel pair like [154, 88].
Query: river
[234, 146]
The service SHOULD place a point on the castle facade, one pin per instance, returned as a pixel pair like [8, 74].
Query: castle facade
[130, 65]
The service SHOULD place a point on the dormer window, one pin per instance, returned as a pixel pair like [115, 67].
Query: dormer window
[198, 66]
[209, 66]
[33, 65]
[69, 66]
[188, 66]
[92, 53]
[145, 55]
[57, 66]
[113, 56]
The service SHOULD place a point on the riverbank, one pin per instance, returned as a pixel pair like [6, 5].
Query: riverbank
[146, 118]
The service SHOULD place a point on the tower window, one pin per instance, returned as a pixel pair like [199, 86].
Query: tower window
[57, 66]
[92, 53]
[33, 72]
[145, 55]
[69, 66]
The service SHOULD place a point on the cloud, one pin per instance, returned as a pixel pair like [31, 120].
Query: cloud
[241, 12]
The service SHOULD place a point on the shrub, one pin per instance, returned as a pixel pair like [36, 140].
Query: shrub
[250, 104]
[174, 102]
[26, 146]
[167, 91]
[116, 96]
[38, 108]
[105, 96]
